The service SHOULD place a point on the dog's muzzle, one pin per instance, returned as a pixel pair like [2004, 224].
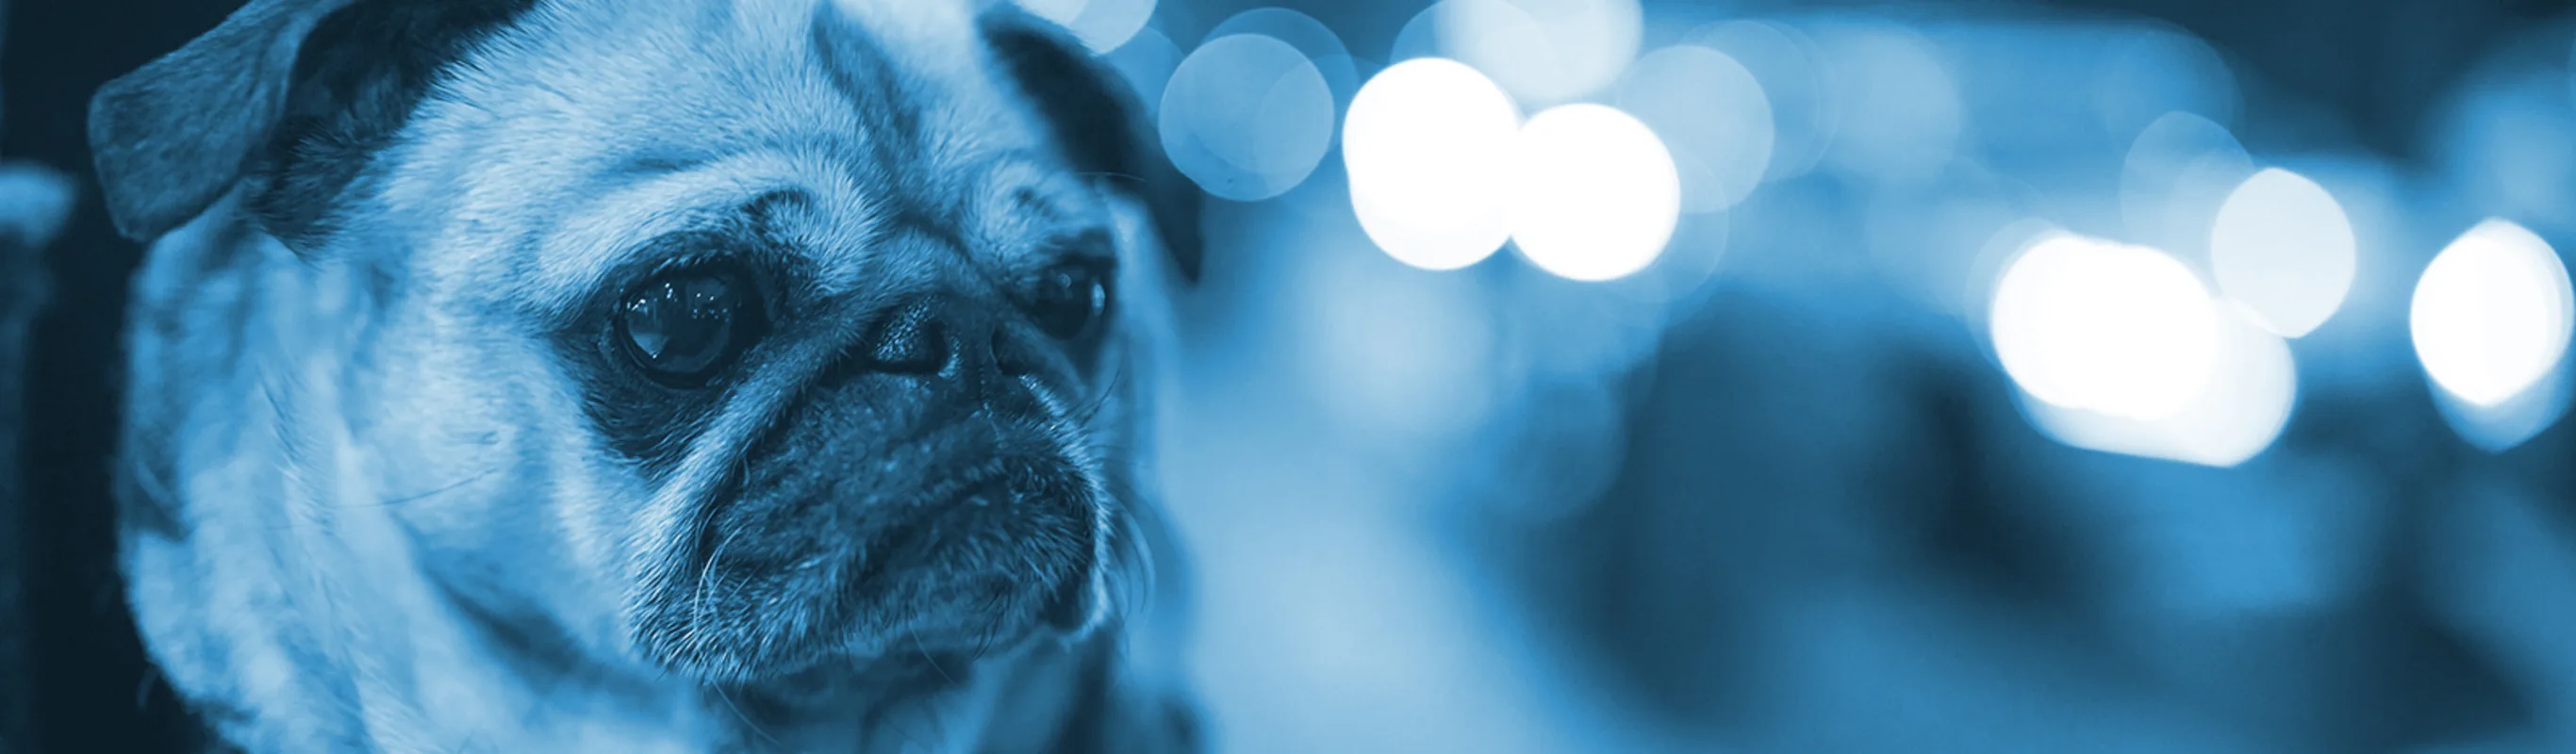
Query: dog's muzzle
[921, 491]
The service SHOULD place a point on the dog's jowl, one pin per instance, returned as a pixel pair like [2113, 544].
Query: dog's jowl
[647, 375]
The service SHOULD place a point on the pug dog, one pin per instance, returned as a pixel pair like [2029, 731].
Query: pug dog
[648, 375]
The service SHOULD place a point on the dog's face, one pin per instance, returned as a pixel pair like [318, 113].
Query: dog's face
[738, 337]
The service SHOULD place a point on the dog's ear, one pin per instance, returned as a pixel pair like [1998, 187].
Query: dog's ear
[1101, 125]
[171, 137]
[293, 95]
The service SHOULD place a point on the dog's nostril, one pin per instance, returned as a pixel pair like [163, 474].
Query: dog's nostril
[909, 340]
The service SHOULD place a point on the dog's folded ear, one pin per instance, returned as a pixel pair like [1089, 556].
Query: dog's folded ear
[170, 138]
[296, 95]
[1099, 121]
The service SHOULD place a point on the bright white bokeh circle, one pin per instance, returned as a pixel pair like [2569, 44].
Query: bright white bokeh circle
[1247, 117]
[2120, 330]
[2245, 403]
[1594, 194]
[1711, 113]
[2283, 249]
[1428, 145]
[1101, 25]
[2238, 413]
[2492, 313]
[1543, 51]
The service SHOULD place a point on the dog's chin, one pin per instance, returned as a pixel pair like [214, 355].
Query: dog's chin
[802, 592]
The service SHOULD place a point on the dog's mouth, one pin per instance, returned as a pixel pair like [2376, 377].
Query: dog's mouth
[968, 529]
[966, 543]
[948, 507]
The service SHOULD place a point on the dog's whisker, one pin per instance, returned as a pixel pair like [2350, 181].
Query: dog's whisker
[746, 720]
[704, 600]
[934, 661]
[1111, 388]
[433, 492]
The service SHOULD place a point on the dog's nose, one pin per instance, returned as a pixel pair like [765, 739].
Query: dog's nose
[946, 336]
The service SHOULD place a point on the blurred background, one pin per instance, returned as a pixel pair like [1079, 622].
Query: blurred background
[1607, 375]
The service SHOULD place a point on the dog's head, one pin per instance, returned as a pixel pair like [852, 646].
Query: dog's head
[733, 336]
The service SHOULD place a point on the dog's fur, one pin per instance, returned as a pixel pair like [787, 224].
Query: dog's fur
[383, 487]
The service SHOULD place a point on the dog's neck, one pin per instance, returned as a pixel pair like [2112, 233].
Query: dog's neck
[298, 619]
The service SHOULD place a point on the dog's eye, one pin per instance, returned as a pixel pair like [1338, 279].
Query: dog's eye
[1068, 300]
[683, 327]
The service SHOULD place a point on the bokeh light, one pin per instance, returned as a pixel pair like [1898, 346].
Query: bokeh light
[2518, 419]
[1899, 109]
[1977, 376]
[2243, 406]
[1247, 117]
[2283, 249]
[2176, 176]
[2236, 413]
[2044, 99]
[1311, 37]
[1681, 277]
[2125, 331]
[2492, 313]
[1419, 37]
[2146, 72]
[1543, 51]
[1712, 115]
[1594, 193]
[1789, 68]
[1102, 25]
[1974, 297]
[1930, 243]
[1428, 145]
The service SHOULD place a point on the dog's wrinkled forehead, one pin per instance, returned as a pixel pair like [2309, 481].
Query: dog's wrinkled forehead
[593, 126]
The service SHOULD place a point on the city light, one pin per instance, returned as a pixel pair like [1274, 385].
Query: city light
[1428, 145]
[1102, 25]
[2283, 249]
[1794, 84]
[1713, 116]
[1543, 51]
[1247, 116]
[1311, 37]
[2237, 412]
[1594, 195]
[1899, 112]
[2120, 330]
[2492, 314]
